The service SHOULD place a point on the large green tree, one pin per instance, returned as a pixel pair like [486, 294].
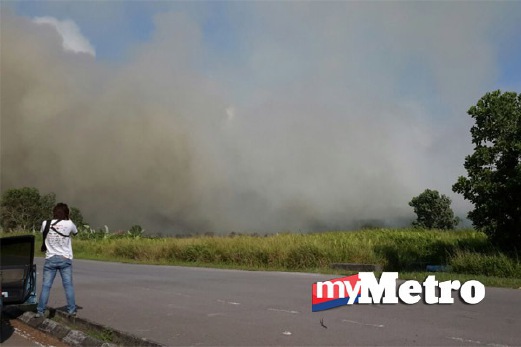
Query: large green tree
[433, 211]
[25, 208]
[493, 182]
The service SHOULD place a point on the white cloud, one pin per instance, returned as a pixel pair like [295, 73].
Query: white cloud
[72, 38]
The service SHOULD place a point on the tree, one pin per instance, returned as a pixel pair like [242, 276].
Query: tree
[24, 208]
[433, 211]
[493, 184]
[76, 217]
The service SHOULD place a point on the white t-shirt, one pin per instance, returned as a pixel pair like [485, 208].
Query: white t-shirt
[57, 244]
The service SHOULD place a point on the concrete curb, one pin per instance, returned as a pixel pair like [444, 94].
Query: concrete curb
[75, 337]
[357, 267]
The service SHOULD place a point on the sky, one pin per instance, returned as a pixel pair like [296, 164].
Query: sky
[247, 116]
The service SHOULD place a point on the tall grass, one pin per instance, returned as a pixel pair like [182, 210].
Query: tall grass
[494, 264]
[465, 251]
[394, 250]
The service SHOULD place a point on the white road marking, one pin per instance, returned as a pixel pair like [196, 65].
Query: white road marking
[287, 333]
[215, 314]
[359, 323]
[229, 302]
[281, 310]
[460, 339]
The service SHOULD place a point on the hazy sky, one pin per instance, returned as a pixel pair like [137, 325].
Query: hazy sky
[247, 116]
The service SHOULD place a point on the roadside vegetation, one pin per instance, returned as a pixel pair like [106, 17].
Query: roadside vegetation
[463, 254]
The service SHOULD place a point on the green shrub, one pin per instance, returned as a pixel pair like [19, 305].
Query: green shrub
[498, 265]
[135, 231]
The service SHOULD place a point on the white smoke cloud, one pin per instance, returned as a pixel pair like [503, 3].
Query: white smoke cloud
[72, 38]
[331, 116]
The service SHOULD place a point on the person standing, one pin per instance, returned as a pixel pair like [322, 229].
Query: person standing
[58, 257]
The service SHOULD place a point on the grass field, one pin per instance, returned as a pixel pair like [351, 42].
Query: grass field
[467, 253]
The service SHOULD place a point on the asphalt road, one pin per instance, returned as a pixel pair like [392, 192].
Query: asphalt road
[198, 306]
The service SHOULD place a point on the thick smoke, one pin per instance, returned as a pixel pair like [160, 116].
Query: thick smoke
[316, 137]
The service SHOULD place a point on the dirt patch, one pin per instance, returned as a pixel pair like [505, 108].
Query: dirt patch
[31, 333]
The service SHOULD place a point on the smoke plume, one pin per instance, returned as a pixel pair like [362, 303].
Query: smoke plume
[329, 134]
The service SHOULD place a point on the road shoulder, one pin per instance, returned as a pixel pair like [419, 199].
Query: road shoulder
[73, 331]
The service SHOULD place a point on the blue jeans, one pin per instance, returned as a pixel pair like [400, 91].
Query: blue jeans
[52, 265]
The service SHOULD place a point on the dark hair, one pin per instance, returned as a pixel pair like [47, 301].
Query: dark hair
[61, 211]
